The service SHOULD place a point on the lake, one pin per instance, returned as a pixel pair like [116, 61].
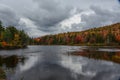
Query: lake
[61, 63]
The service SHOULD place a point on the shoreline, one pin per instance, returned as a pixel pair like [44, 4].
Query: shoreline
[12, 47]
[92, 45]
[96, 45]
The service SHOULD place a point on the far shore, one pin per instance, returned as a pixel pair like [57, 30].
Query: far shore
[88, 44]
[94, 45]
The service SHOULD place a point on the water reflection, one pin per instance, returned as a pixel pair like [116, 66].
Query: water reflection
[90, 69]
[75, 65]
[46, 71]
[2, 74]
[46, 66]
[57, 63]
[11, 61]
[101, 54]
[29, 63]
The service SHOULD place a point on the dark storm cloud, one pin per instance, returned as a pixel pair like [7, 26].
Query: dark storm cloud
[119, 1]
[49, 14]
[39, 17]
[8, 17]
[100, 17]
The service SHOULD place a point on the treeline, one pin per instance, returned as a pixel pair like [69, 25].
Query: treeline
[106, 35]
[12, 38]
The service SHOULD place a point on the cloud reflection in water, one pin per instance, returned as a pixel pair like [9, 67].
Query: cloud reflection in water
[29, 63]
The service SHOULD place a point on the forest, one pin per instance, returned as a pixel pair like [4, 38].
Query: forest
[12, 38]
[106, 35]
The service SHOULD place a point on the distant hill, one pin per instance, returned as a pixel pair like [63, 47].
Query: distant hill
[106, 35]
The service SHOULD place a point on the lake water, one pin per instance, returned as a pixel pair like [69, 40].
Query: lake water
[61, 63]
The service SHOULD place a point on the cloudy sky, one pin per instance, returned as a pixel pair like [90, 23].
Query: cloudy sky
[41, 17]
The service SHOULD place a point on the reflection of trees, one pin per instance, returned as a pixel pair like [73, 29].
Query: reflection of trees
[11, 61]
[2, 74]
[109, 56]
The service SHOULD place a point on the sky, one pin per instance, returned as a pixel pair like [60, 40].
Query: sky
[43, 17]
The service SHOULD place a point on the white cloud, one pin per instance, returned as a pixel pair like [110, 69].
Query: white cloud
[75, 19]
[30, 27]
[40, 17]
[70, 23]
[100, 17]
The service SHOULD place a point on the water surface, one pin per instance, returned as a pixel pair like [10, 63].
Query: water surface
[61, 63]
